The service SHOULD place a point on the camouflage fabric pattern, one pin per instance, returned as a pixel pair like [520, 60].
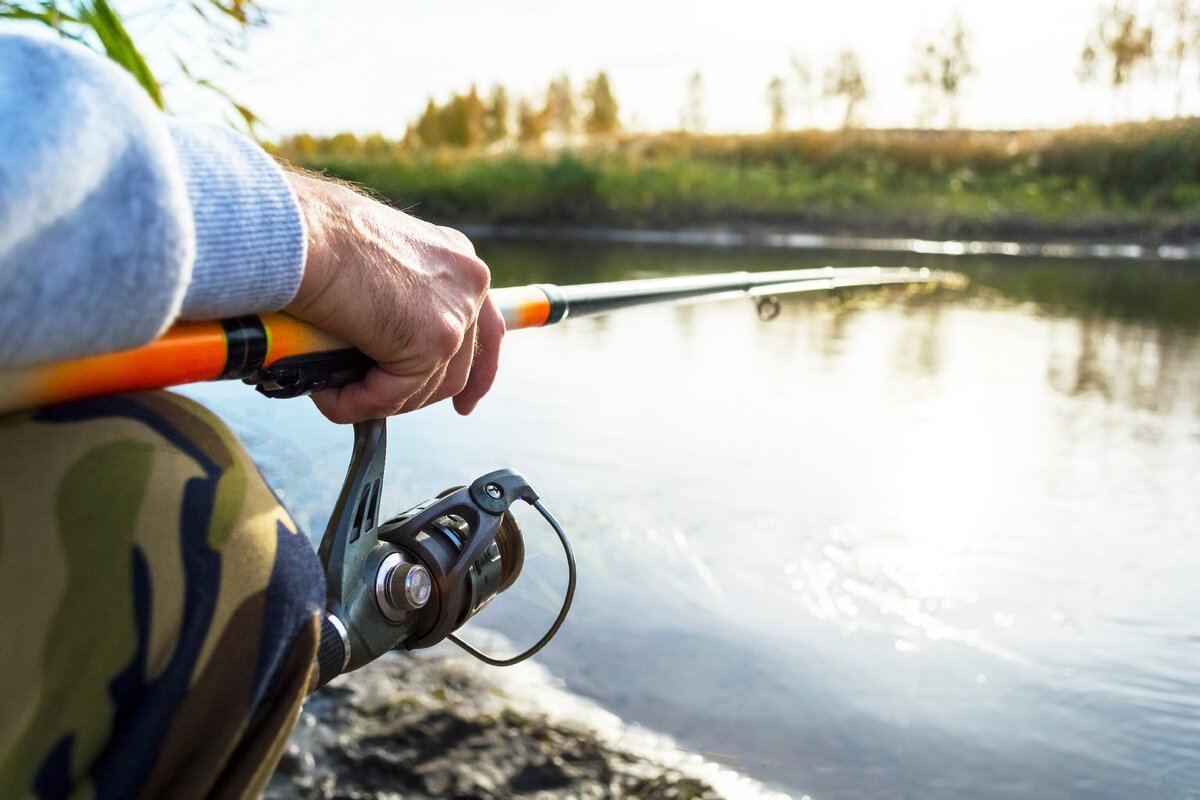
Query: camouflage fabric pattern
[158, 608]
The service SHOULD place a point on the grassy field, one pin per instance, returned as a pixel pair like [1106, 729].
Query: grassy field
[1130, 181]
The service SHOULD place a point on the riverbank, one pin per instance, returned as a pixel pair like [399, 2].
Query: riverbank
[1136, 182]
[442, 726]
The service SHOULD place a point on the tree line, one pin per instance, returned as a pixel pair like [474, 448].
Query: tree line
[468, 120]
[1124, 44]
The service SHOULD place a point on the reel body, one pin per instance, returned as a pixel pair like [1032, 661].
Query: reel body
[413, 580]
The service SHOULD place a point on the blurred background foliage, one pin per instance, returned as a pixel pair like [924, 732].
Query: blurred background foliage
[1132, 179]
[564, 156]
[97, 24]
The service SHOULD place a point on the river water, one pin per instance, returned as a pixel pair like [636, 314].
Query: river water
[937, 546]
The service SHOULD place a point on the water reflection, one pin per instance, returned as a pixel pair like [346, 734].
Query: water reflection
[742, 240]
[1134, 365]
[941, 547]
[1159, 292]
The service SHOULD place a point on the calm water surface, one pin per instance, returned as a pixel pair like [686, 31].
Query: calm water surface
[938, 547]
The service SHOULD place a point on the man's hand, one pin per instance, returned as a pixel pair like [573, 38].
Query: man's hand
[409, 294]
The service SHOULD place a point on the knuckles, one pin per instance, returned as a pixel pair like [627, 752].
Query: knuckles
[475, 275]
[425, 291]
[444, 336]
[458, 240]
[491, 323]
[455, 385]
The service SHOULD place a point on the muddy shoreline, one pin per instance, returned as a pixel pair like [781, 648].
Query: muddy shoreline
[442, 726]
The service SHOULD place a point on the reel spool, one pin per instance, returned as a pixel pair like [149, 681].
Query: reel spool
[413, 580]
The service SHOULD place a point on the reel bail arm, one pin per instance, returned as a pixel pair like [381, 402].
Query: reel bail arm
[415, 579]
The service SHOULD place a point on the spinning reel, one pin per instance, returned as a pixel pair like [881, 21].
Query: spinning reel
[413, 580]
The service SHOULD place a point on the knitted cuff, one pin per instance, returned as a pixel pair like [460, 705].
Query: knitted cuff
[250, 239]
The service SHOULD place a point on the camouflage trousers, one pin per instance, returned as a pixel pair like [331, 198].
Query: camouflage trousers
[158, 608]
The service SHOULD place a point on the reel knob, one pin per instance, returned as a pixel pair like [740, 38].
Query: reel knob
[401, 586]
[333, 653]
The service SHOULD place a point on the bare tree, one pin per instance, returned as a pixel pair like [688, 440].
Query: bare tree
[777, 104]
[1181, 19]
[1119, 49]
[805, 95]
[691, 116]
[941, 65]
[844, 80]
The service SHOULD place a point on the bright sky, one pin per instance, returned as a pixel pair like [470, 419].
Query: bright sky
[370, 65]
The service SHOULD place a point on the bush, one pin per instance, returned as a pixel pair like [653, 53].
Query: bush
[1141, 177]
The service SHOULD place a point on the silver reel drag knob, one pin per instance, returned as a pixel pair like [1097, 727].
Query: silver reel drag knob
[401, 586]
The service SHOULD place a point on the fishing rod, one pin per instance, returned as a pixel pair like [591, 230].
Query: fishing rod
[285, 357]
[413, 580]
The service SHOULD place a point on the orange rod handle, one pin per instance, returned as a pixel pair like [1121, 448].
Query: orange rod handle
[190, 352]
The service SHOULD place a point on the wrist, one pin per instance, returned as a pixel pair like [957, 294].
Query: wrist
[317, 210]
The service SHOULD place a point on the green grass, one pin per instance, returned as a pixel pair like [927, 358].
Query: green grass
[1139, 179]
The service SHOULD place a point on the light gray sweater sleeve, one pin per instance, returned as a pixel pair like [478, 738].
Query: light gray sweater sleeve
[250, 242]
[113, 222]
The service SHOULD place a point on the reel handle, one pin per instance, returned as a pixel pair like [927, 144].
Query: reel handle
[333, 652]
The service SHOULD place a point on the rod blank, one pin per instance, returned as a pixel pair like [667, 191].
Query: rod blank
[284, 356]
[546, 304]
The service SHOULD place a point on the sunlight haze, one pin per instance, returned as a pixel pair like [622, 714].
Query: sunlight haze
[370, 66]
